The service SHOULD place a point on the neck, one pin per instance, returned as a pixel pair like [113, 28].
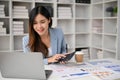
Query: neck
[46, 39]
[45, 36]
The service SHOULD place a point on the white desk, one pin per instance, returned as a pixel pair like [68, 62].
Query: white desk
[52, 78]
[89, 77]
[82, 78]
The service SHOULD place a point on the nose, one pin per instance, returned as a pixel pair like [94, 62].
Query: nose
[39, 25]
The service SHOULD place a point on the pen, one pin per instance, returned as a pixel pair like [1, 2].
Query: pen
[78, 74]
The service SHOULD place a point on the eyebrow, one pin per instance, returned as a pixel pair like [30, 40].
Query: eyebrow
[40, 20]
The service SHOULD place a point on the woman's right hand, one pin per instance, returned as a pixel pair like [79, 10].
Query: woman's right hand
[55, 58]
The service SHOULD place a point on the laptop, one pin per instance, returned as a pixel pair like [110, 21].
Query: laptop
[23, 65]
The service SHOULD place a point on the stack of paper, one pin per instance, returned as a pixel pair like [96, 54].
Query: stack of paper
[2, 12]
[65, 1]
[18, 27]
[97, 29]
[20, 12]
[2, 29]
[46, 0]
[64, 12]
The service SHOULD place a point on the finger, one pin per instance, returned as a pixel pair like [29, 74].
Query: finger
[63, 55]
[62, 62]
[60, 56]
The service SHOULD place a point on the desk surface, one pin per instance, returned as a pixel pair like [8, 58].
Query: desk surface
[82, 78]
[51, 78]
[67, 68]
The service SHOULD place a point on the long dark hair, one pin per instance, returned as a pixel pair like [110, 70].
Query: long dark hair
[35, 42]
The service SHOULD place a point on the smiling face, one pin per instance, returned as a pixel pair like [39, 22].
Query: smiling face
[41, 25]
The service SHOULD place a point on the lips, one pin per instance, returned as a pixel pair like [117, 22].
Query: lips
[40, 30]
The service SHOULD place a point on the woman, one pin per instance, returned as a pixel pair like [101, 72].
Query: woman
[43, 38]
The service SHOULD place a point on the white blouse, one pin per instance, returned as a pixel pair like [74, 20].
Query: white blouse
[50, 52]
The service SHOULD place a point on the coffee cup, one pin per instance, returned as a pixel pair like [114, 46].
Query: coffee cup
[79, 56]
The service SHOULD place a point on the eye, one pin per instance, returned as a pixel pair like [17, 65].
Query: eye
[34, 22]
[42, 21]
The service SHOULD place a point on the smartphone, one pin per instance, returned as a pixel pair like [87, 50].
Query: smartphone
[67, 58]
